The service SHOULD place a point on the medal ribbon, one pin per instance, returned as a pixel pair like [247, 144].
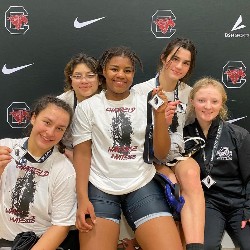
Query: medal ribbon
[30, 158]
[148, 153]
[172, 127]
[209, 163]
[176, 96]
[75, 101]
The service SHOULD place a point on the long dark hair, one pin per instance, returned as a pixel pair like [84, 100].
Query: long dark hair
[177, 44]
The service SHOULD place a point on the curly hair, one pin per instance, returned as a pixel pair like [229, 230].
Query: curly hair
[116, 51]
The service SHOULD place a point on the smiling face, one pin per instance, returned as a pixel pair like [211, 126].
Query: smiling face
[48, 129]
[84, 82]
[119, 73]
[207, 103]
[177, 64]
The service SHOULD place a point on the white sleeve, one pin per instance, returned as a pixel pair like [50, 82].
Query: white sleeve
[138, 88]
[64, 199]
[82, 124]
[144, 87]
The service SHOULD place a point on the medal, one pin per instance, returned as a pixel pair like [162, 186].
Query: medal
[18, 152]
[156, 101]
[208, 181]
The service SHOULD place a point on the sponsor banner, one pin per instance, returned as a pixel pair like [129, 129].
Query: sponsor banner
[235, 33]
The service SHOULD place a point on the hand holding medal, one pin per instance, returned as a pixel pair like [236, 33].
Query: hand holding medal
[18, 152]
[158, 100]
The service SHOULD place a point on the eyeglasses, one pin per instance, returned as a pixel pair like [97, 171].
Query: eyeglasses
[88, 77]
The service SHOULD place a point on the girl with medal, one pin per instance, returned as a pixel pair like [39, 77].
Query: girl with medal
[109, 135]
[37, 185]
[81, 82]
[176, 63]
[224, 163]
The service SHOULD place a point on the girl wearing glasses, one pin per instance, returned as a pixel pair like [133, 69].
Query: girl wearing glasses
[81, 82]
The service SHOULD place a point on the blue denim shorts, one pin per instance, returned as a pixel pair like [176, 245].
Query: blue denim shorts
[138, 206]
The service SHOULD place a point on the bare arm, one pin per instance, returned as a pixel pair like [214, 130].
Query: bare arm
[69, 154]
[52, 238]
[5, 158]
[82, 160]
[169, 114]
[161, 138]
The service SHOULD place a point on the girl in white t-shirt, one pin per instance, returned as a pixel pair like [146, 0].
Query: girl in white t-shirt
[81, 82]
[176, 63]
[37, 187]
[108, 137]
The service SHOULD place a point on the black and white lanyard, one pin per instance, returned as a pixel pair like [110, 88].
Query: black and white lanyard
[176, 96]
[148, 153]
[30, 158]
[75, 101]
[209, 163]
[173, 126]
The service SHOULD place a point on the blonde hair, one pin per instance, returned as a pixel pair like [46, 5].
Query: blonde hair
[203, 83]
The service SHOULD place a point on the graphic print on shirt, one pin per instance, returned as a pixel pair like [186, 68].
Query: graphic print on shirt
[179, 118]
[175, 124]
[121, 132]
[23, 193]
[224, 154]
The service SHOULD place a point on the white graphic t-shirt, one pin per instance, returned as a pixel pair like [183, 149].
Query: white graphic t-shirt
[35, 196]
[117, 130]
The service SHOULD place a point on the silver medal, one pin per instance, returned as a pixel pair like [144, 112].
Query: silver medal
[156, 101]
[208, 181]
[17, 152]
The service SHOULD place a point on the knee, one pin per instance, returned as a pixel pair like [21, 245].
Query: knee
[189, 178]
[191, 181]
